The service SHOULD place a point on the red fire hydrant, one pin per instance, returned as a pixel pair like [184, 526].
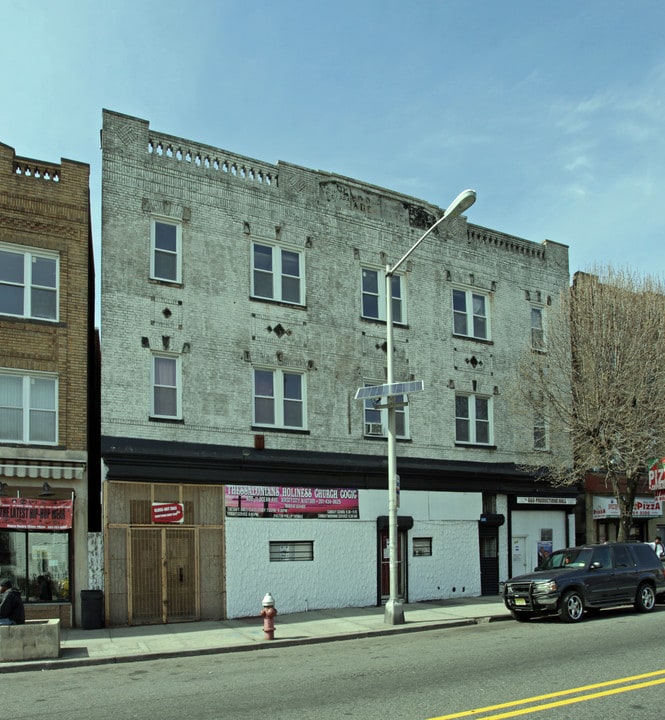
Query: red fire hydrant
[268, 613]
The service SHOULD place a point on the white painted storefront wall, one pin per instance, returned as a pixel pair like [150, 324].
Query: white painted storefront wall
[529, 524]
[344, 570]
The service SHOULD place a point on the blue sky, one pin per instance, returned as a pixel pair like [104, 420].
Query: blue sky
[552, 111]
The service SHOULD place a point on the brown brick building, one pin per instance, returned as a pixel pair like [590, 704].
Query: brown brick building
[49, 488]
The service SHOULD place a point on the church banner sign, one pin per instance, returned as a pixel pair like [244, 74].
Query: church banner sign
[291, 502]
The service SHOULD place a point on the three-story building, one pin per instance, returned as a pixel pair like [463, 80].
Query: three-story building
[49, 494]
[243, 304]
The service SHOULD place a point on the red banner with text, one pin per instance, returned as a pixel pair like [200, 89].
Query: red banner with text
[36, 514]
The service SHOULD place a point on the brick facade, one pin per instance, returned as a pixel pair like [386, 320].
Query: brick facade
[340, 225]
[52, 214]
[46, 207]
[220, 332]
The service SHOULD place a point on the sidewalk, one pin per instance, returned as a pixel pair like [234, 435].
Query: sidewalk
[150, 642]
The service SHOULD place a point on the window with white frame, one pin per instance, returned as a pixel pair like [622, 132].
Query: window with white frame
[373, 289]
[28, 408]
[277, 274]
[166, 251]
[28, 283]
[279, 399]
[537, 334]
[471, 314]
[376, 416]
[166, 387]
[473, 419]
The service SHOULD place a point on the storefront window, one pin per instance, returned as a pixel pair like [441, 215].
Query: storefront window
[37, 563]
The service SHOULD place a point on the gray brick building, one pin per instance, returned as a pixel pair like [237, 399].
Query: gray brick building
[242, 306]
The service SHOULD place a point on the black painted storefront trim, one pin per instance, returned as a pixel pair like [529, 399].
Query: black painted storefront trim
[143, 460]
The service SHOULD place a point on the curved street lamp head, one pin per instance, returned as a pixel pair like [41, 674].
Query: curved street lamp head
[461, 203]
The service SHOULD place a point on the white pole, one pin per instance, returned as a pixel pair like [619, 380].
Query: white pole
[394, 614]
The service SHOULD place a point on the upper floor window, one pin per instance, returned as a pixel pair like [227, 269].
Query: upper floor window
[277, 274]
[166, 251]
[28, 284]
[166, 387]
[279, 399]
[537, 334]
[28, 408]
[473, 419]
[373, 288]
[539, 431]
[471, 314]
[376, 416]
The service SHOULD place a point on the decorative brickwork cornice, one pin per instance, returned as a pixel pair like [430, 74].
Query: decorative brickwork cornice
[507, 242]
[33, 214]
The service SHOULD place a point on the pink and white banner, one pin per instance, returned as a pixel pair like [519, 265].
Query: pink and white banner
[291, 502]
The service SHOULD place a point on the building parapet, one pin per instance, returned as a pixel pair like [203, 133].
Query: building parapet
[508, 242]
[37, 169]
[205, 157]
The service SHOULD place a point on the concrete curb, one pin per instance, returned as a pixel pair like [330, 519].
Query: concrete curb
[63, 662]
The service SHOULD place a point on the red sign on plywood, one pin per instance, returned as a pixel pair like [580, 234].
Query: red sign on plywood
[168, 512]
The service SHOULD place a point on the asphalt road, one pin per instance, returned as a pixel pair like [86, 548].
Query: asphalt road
[424, 675]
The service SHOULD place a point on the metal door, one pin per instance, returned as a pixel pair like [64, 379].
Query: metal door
[181, 584]
[384, 562]
[600, 582]
[163, 583]
[489, 561]
[519, 556]
[625, 574]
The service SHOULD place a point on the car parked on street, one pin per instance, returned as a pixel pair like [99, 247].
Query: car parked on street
[587, 578]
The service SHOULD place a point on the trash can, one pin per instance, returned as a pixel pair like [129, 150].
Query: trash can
[92, 609]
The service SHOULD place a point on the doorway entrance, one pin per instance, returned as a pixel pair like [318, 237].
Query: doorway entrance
[519, 555]
[489, 561]
[384, 565]
[162, 578]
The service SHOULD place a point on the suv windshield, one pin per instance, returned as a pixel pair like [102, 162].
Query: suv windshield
[573, 557]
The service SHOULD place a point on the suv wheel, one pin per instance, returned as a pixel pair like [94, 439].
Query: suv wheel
[645, 600]
[571, 607]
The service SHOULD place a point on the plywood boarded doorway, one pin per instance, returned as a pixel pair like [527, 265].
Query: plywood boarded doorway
[158, 572]
[163, 575]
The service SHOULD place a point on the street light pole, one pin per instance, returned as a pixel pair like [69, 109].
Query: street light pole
[394, 613]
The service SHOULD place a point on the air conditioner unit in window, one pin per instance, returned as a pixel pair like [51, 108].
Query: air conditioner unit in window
[373, 429]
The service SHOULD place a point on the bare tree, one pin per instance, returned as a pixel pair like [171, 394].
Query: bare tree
[601, 381]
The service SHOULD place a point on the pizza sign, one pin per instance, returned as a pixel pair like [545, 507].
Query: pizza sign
[657, 475]
[168, 512]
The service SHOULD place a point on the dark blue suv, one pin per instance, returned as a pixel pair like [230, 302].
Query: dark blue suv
[588, 578]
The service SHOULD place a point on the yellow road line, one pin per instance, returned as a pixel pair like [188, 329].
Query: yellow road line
[569, 701]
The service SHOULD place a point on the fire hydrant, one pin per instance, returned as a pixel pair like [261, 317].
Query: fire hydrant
[268, 613]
